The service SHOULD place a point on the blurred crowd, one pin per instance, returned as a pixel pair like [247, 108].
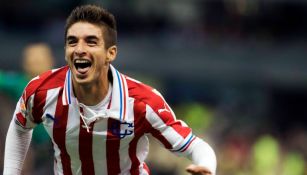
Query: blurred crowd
[36, 59]
[241, 150]
[233, 70]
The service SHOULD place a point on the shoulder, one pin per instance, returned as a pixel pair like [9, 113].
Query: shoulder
[48, 80]
[144, 93]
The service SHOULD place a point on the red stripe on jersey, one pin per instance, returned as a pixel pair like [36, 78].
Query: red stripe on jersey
[124, 89]
[182, 130]
[21, 119]
[140, 127]
[146, 168]
[112, 147]
[55, 79]
[59, 133]
[34, 84]
[38, 106]
[132, 154]
[109, 105]
[86, 148]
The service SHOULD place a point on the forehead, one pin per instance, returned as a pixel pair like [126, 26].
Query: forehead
[83, 29]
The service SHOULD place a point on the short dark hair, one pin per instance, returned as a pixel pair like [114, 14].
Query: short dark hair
[96, 15]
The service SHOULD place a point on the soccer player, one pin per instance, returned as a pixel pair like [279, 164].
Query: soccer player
[96, 117]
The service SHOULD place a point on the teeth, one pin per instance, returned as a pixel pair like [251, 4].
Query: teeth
[82, 61]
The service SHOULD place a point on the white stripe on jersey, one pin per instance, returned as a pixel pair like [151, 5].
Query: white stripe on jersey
[125, 162]
[142, 150]
[52, 95]
[72, 138]
[48, 122]
[58, 164]
[99, 146]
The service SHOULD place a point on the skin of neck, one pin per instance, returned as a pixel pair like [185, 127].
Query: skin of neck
[94, 92]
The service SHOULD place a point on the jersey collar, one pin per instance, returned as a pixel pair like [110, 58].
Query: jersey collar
[119, 100]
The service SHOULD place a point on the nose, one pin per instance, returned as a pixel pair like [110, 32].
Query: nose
[80, 49]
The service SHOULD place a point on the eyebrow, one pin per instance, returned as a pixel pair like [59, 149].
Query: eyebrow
[70, 38]
[90, 37]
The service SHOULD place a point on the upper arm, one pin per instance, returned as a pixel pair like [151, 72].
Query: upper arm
[174, 134]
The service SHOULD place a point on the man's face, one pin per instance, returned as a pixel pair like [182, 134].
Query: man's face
[86, 54]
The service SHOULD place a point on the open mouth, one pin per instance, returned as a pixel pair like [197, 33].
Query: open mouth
[82, 65]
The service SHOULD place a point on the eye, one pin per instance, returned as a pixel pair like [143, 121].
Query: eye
[71, 41]
[92, 42]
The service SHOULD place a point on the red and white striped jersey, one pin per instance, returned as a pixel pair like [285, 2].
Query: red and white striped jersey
[114, 143]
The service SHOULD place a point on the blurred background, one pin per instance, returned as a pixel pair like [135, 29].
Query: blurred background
[234, 70]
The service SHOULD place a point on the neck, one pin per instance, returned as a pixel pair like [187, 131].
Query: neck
[91, 94]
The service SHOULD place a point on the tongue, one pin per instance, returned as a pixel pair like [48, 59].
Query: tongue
[83, 70]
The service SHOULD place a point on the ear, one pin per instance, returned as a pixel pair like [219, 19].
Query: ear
[111, 54]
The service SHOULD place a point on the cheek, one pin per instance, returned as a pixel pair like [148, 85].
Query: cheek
[101, 59]
[67, 56]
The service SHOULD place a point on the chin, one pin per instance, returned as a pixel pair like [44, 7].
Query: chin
[83, 81]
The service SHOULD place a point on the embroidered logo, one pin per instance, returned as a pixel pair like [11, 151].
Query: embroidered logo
[122, 129]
